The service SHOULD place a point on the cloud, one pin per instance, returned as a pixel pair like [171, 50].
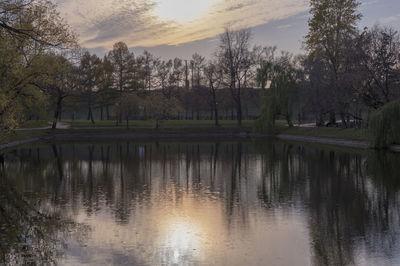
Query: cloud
[100, 23]
[285, 26]
[390, 19]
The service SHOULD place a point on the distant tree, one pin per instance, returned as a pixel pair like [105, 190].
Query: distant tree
[214, 75]
[235, 59]
[123, 62]
[89, 78]
[176, 74]
[148, 61]
[159, 107]
[197, 64]
[106, 94]
[129, 106]
[380, 63]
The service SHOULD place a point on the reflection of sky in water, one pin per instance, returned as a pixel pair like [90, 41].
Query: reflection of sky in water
[194, 232]
[217, 204]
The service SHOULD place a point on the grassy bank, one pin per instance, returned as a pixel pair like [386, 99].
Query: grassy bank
[82, 128]
[325, 132]
[150, 124]
[20, 135]
[179, 128]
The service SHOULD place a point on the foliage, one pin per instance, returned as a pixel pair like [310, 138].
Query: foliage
[128, 105]
[159, 107]
[276, 100]
[384, 126]
[332, 28]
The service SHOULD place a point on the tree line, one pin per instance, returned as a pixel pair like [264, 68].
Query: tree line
[344, 78]
[348, 77]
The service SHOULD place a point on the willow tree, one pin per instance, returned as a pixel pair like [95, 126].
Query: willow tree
[384, 126]
[277, 99]
[331, 25]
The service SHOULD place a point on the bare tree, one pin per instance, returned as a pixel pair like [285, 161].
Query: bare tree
[214, 75]
[235, 59]
[381, 66]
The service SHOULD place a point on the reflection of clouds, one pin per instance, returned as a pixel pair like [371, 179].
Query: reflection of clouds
[140, 22]
[174, 229]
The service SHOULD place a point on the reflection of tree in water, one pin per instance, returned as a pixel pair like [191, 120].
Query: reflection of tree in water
[347, 196]
[31, 234]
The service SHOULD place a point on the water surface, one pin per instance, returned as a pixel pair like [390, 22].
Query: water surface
[198, 203]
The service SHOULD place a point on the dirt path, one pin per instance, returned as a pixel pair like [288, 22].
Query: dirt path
[60, 125]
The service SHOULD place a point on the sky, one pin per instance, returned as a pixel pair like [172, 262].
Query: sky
[179, 28]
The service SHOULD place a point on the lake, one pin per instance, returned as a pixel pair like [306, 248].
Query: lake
[198, 203]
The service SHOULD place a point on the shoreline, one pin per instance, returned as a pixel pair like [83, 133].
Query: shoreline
[146, 134]
[358, 144]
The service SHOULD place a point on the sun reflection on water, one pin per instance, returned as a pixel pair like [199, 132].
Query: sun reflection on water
[182, 241]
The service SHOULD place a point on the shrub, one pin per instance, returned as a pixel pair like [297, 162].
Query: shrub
[384, 126]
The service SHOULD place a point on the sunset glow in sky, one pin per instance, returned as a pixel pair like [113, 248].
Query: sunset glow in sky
[161, 25]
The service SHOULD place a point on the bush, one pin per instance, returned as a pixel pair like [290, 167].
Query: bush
[384, 126]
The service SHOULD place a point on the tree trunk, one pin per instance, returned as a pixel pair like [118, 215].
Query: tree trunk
[320, 120]
[239, 115]
[57, 112]
[90, 115]
[332, 118]
[289, 121]
[216, 115]
[60, 114]
[343, 117]
[101, 113]
[108, 112]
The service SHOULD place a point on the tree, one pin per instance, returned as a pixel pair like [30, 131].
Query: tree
[197, 65]
[89, 75]
[235, 59]
[61, 81]
[384, 126]
[332, 24]
[278, 99]
[159, 107]
[28, 30]
[214, 75]
[148, 61]
[36, 20]
[380, 61]
[129, 106]
[106, 94]
[123, 62]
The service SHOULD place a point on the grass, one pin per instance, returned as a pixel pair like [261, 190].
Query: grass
[326, 132]
[35, 124]
[178, 126]
[19, 135]
[109, 127]
[150, 124]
